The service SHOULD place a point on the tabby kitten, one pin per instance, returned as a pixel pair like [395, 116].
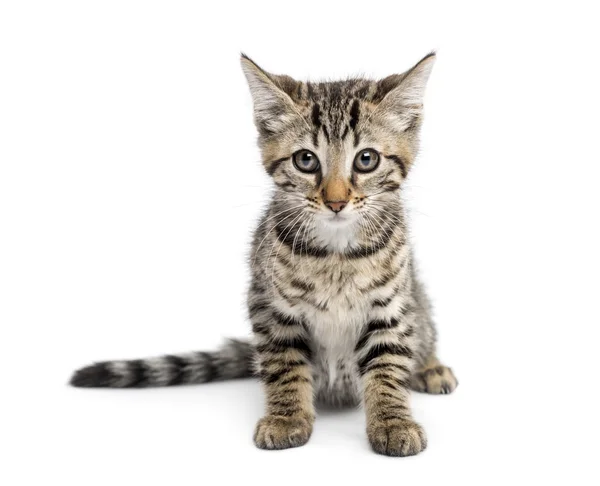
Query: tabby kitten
[337, 313]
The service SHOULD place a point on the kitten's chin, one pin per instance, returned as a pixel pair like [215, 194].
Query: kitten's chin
[336, 232]
[339, 220]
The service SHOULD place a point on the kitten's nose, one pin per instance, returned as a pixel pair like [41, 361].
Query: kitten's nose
[336, 206]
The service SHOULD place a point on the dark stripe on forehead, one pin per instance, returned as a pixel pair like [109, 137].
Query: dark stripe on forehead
[316, 116]
[354, 113]
[316, 120]
[399, 162]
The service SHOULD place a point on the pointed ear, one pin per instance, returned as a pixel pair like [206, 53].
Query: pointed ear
[274, 109]
[402, 102]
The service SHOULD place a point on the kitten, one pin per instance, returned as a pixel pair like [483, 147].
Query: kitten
[337, 313]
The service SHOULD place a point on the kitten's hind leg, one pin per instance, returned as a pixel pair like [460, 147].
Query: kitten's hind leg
[434, 378]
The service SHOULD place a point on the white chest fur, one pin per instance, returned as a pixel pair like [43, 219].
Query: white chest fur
[337, 329]
[336, 325]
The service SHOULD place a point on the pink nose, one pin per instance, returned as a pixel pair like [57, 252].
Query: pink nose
[336, 206]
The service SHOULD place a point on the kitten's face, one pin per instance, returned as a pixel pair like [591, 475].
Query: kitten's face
[339, 151]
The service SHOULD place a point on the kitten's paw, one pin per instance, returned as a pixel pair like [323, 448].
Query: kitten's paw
[437, 379]
[397, 438]
[278, 432]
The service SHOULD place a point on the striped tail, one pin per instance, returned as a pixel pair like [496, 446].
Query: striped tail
[234, 360]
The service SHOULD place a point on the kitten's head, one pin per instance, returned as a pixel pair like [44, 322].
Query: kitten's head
[339, 150]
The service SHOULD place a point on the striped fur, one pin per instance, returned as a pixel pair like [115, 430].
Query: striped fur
[337, 312]
[233, 360]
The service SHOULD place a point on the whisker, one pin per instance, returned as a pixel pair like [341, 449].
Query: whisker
[305, 241]
[296, 237]
[386, 211]
[275, 215]
[280, 245]
[272, 228]
[382, 226]
[371, 232]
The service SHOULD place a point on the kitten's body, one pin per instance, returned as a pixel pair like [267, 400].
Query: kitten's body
[337, 312]
[335, 296]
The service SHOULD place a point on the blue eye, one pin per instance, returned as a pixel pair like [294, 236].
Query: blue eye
[306, 161]
[366, 160]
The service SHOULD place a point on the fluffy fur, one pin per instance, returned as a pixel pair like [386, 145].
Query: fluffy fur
[337, 312]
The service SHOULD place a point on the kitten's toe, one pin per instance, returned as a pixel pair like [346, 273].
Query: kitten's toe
[397, 438]
[436, 380]
[278, 432]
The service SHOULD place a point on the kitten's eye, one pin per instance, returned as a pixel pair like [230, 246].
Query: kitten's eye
[306, 161]
[366, 160]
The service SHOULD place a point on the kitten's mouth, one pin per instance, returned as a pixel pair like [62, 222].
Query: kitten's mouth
[339, 219]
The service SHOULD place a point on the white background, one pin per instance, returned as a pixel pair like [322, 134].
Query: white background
[130, 182]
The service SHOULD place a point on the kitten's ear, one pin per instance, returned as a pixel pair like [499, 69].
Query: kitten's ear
[402, 102]
[274, 109]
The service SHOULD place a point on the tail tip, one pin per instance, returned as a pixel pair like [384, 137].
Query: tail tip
[93, 376]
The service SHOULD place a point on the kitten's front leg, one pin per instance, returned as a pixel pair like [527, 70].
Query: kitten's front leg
[284, 356]
[384, 361]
